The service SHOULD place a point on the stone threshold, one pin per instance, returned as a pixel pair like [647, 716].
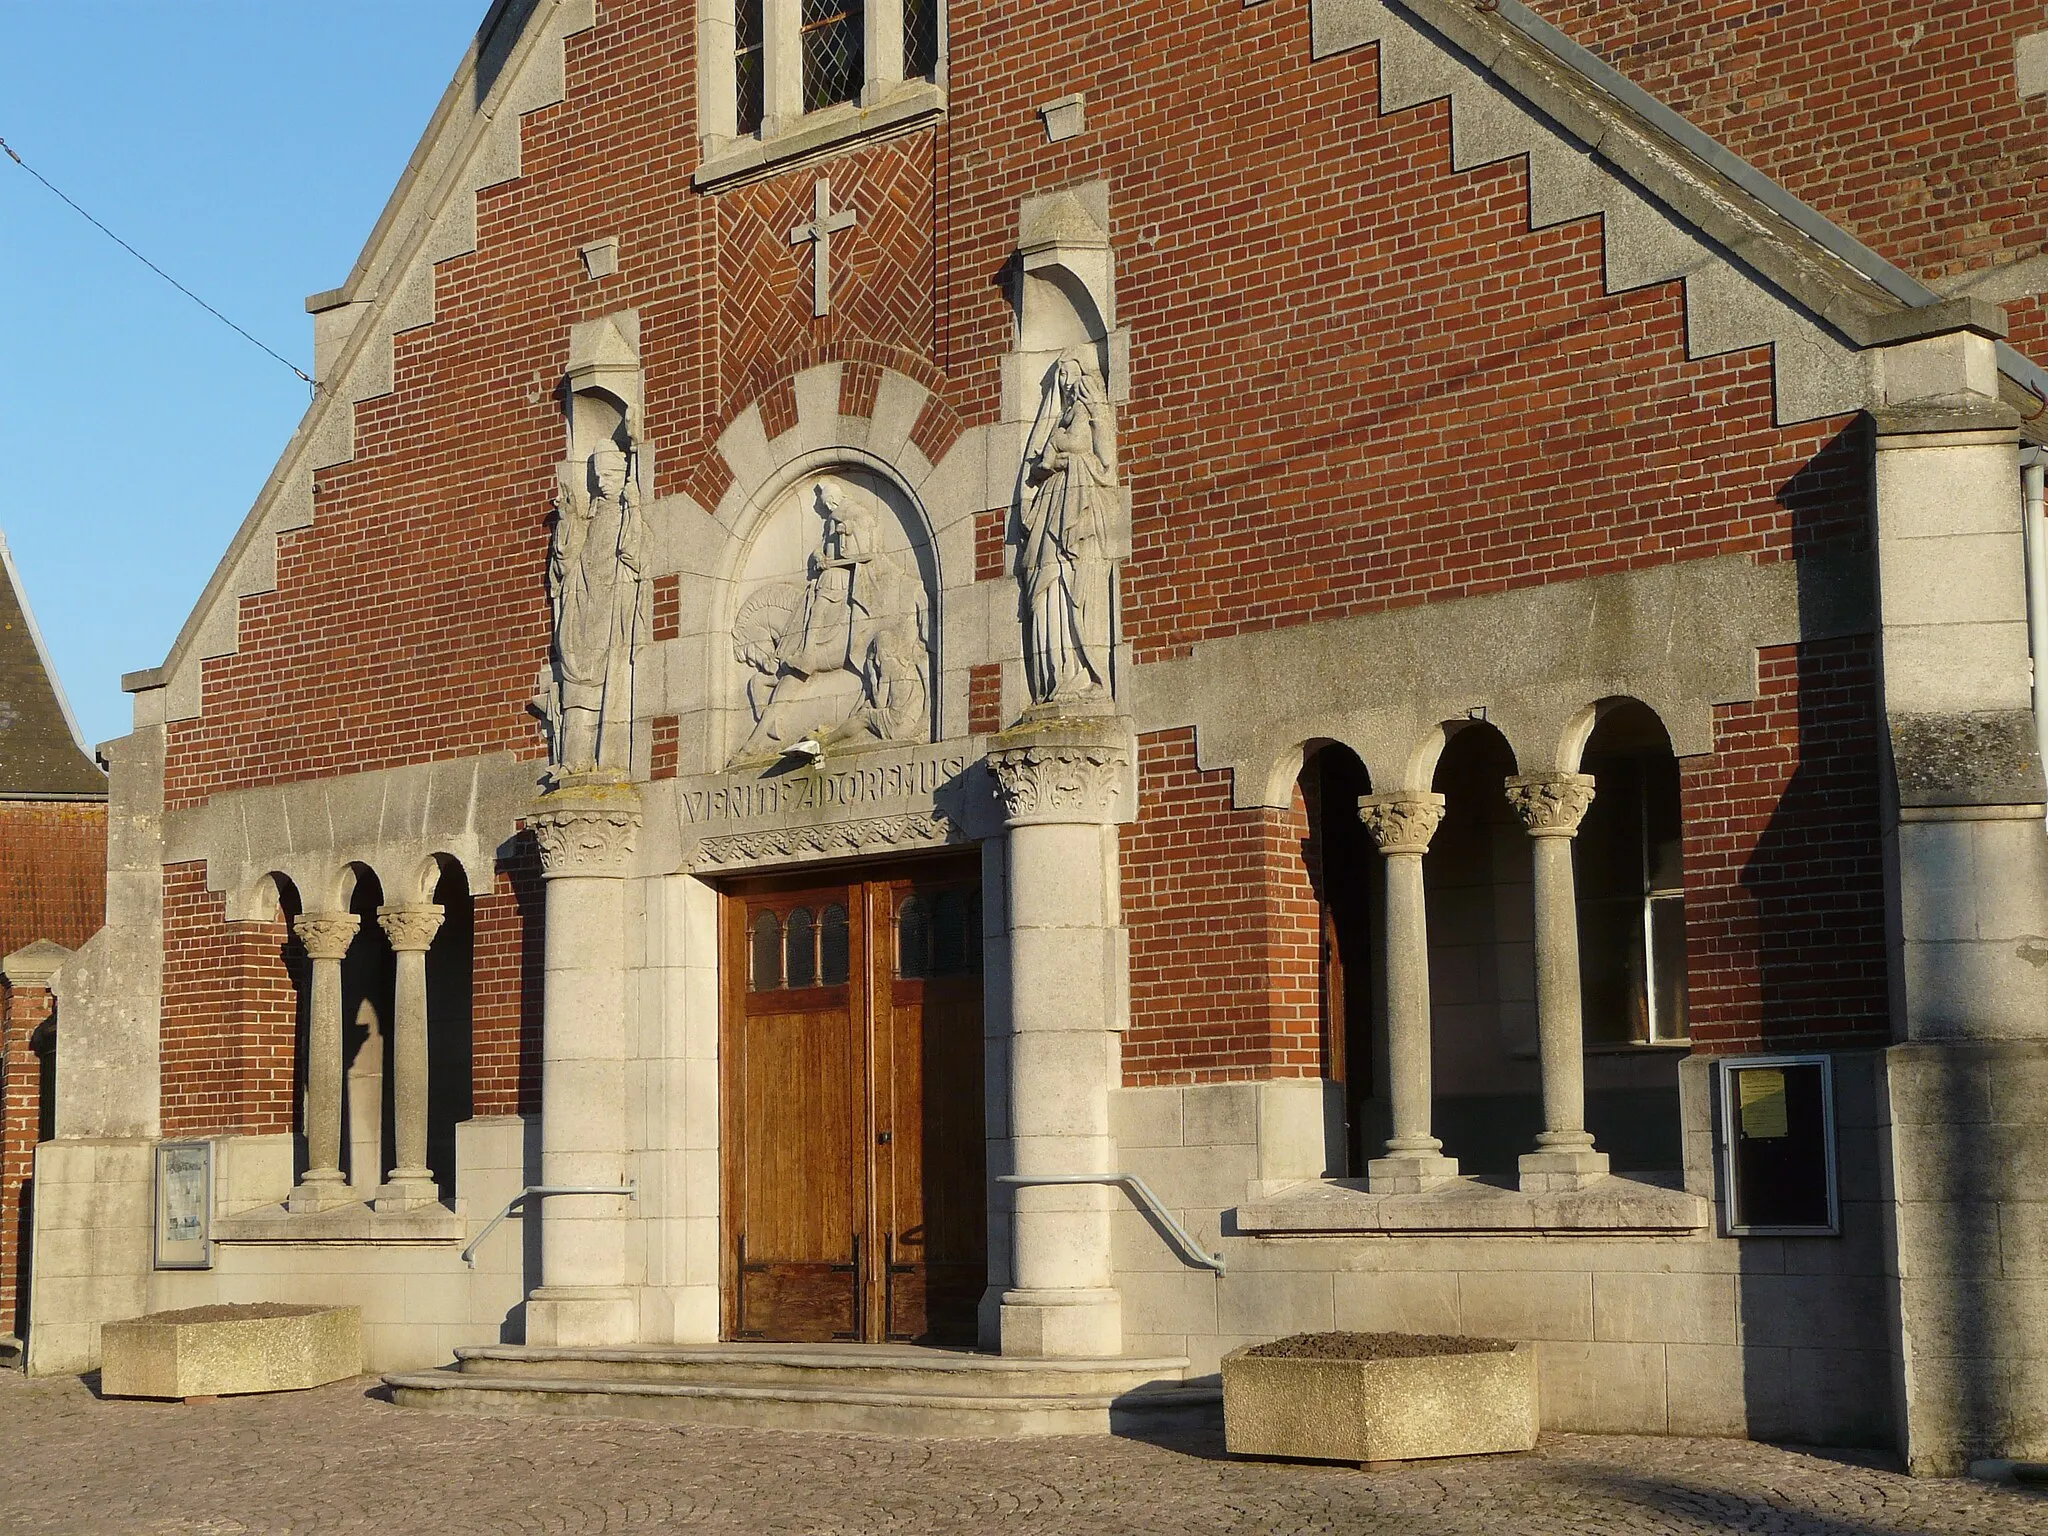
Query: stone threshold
[1344, 1206]
[352, 1223]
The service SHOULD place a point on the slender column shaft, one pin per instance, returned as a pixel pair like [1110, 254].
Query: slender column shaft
[411, 931]
[1551, 807]
[1408, 1033]
[1560, 1029]
[1402, 824]
[326, 937]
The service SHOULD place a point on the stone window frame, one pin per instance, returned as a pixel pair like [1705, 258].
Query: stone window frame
[888, 102]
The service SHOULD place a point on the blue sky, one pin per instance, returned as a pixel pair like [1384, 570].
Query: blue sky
[245, 146]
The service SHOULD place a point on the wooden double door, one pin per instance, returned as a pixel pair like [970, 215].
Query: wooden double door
[855, 1202]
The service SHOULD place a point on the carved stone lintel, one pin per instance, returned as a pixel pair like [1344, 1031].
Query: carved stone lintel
[1402, 822]
[586, 828]
[1551, 804]
[410, 928]
[1060, 772]
[326, 935]
[843, 839]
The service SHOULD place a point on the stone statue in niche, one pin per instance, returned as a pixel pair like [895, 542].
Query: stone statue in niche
[597, 586]
[859, 613]
[1072, 515]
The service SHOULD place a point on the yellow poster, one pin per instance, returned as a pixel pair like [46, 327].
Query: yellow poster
[1762, 1094]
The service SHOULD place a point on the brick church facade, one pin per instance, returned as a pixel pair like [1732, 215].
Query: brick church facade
[884, 618]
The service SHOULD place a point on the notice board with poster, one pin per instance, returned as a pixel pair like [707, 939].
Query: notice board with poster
[1778, 1146]
[184, 1205]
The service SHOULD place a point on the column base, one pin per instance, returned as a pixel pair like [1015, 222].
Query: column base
[1559, 1170]
[408, 1189]
[1062, 1324]
[322, 1190]
[1409, 1173]
[579, 1316]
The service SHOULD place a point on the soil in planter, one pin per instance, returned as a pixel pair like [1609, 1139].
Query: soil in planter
[1375, 1346]
[234, 1312]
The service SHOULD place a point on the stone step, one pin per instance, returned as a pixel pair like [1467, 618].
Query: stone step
[907, 1411]
[875, 1368]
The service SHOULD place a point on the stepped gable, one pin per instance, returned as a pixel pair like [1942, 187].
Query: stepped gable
[40, 751]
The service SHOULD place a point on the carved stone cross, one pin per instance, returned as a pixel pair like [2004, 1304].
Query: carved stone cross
[824, 224]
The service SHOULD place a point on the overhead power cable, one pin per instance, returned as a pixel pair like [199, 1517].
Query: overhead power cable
[159, 271]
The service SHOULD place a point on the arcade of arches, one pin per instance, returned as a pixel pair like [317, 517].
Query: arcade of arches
[1484, 1068]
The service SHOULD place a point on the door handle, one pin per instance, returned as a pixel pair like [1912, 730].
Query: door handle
[883, 1138]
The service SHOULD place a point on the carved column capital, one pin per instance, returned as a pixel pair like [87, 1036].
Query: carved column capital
[1402, 822]
[410, 928]
[1070, 775]
[1551, 804]
[326, 935]
[586, 829]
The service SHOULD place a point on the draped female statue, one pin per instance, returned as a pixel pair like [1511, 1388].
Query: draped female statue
[1071, 512]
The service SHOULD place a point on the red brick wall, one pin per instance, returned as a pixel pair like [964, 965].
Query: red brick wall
[1224, 935]
[1898, 119]
[230, 1016]
[1784, 880]
[53, 871]
[1359, 382]
[505, 1030]
[22, 1009]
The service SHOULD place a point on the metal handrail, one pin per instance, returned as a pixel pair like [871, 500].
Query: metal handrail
[1139, 1191]
[630, 1191]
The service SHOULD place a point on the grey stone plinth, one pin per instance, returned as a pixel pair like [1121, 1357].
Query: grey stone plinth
[1380, 1410]
[218, 1350]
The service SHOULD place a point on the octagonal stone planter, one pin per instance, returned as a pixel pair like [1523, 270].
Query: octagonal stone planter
[1372, 1398]
[218, 1350]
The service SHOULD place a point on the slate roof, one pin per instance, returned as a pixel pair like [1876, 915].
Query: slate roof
[40, 751]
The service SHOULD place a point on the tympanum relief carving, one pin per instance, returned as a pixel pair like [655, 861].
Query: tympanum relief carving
[834, 627]
[1073, 533]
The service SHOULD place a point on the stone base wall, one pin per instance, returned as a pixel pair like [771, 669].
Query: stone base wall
[419, 1302]
[1771, 1338]
[1969, 1150]
[91, 1248]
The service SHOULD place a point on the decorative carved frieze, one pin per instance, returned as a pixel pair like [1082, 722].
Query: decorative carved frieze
[326, 935]
[1402, 822]
[1551, 804]
[838, 840]
[410, 928]
[1060, 780]
[586, 830]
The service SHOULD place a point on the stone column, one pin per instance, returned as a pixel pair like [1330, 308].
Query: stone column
[586, 829]
[326, 937]
[411, 930]
[1967, 863]
[1061, 782]
[1551, 806]
[1402, 823]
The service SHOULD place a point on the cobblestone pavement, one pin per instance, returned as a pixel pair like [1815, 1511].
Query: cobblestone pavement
[339, 1460]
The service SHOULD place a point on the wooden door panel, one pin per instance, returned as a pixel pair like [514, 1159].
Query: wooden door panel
[796, 1112]
[855, 1174]
[800, 1200]
[931, 1180]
